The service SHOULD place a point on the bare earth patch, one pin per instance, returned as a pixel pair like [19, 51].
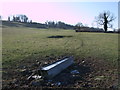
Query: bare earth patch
[84, 73]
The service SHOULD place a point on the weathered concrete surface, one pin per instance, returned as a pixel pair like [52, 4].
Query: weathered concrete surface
[55, 68]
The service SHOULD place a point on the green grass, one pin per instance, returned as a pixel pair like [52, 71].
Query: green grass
[22, 43]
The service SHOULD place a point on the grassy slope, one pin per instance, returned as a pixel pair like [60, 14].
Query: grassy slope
[21, 43]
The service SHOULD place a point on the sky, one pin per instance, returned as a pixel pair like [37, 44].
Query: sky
[68, 12]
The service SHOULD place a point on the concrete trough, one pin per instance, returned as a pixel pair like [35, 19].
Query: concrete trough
[55, 68]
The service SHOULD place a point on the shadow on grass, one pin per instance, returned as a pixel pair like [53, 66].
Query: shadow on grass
[59, 36]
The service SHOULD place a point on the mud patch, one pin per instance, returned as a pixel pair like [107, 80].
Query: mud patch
[84, 73]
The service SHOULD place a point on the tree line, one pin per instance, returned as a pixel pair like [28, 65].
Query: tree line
[105, 18]
[59, 24]
[48, 24]
[19, 18]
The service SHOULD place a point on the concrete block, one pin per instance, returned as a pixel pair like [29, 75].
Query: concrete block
[55, 68]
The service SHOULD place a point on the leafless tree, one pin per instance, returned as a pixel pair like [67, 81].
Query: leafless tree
[105, 19]
[8, 18]
[78, 25]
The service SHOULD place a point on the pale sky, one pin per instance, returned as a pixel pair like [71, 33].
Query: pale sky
[68, 12]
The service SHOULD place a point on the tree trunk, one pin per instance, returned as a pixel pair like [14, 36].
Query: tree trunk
[105, 23]
[105, 27]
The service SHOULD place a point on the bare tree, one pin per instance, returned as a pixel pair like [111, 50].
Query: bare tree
[105, 19]
[78, 26]
[8, 18]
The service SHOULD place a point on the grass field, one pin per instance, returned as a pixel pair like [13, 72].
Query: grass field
[30, 44]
